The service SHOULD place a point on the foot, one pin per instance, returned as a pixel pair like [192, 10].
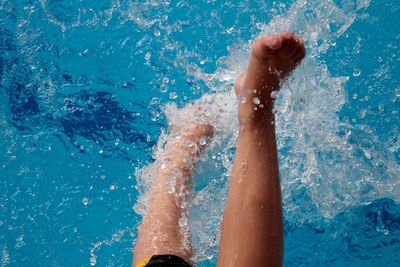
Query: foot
[187, 142]
[272, 59]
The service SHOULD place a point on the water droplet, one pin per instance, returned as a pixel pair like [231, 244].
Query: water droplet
[163, 88]
[356, 73]
[191, 145]
[92, 261]
[171, 185]
[256, 100]
[230, 30]
[147, 56]
[243, 99]
[274, 94]
[154, 101]
[182, 221]
[398, 92]
[185, 158]
[173, 95]
[85, 201]
[385, 231]
[367, 154]
[203, 141]
[165, 80]
[362, 113]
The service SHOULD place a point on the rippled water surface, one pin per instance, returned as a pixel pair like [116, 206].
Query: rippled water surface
[87, 88]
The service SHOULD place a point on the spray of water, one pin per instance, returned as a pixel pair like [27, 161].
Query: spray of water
[322, 170]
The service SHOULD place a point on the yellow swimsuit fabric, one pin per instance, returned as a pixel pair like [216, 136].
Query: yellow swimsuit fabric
[143, 263]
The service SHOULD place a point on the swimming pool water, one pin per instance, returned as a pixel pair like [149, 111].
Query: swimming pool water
[84, 86]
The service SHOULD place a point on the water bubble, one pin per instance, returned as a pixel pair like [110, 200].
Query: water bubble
[92, 261]
[362, 113]
[103, 176]
[191, 145]
[74, 229]
[202, 62]
[230, 30]
[165, 80]
[173, 95]
[156, 32]
[367, 154]
[185, 158]
[259, 25]
[256, 100]
[398, 92]
[84, 53]
[182, 221]
[355, 95]
[147, 56]
[163, 88]
[112, 187]
[252, 91]
[243, 99]
[101, 151]
[85, 201]
[154, 101]
[203, 141]
[357, 72]
[274, 94]
[171, 185]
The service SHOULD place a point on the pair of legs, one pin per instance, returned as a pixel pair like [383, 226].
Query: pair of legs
[252, 230]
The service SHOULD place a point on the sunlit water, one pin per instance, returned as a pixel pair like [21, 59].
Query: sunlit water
[89, 87]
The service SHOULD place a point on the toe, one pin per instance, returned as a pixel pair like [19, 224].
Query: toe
[271, 42]
[299, 54]
[293, 47]
[288, 35]
[266, 46]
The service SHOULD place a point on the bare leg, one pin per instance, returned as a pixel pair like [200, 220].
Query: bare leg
[160, 232]
[252, 230]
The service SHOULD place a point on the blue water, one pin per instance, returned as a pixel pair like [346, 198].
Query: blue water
[83, 90]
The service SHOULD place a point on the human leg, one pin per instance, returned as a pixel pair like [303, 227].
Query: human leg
[160, 232]
[252, 230]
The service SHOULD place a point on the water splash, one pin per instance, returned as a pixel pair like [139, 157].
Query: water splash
[322, 170]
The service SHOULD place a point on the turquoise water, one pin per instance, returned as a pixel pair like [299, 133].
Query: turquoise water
[86, 91]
